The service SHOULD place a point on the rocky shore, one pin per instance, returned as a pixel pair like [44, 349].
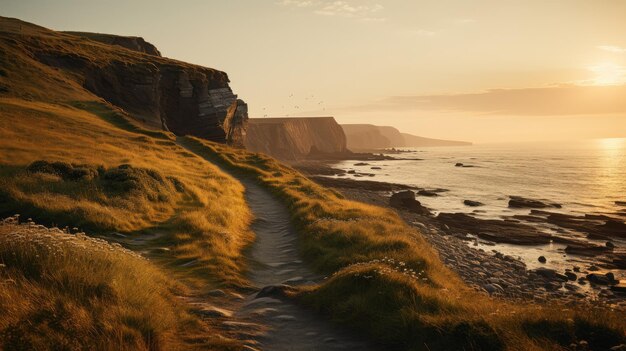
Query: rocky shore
[489, 270]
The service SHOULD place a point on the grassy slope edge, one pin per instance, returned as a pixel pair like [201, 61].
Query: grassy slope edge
[385, 281]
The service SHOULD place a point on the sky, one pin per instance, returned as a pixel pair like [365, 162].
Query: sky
[482, 70]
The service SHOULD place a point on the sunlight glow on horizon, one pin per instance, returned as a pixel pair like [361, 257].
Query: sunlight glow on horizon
[608, 73]
[342, 58]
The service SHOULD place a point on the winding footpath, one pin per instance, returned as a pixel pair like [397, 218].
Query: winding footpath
[264, 322]
[274, 260]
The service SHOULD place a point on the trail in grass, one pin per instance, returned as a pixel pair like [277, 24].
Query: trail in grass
[276, 324]
[275, 260]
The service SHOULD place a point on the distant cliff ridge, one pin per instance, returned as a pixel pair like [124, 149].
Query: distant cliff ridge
[186, 99]
[295, 138]
[370, 137]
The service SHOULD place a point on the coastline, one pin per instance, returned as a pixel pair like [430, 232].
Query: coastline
[483, 269]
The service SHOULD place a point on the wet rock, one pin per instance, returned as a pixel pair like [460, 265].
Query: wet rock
[571, 276]
[494, 230]
[427, 193]
[472, 203]
[406, 200]
[545, 272]
[601, 279]
[542, 259]
[585, 249]
[619, 287]
[522, 202]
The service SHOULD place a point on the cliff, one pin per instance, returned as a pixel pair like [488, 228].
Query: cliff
[39, 64]
[370, 137]
[295, 138]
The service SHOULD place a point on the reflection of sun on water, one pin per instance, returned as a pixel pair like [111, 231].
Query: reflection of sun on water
[613, 154]
[612, 145]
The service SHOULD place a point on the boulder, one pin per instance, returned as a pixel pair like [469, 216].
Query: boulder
[427, 193]
[601, 279]
[406, 200]
[571, 276]
[542, 259]
[472, 203]
[522, 202]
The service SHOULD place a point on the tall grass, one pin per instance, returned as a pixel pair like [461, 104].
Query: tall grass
[137, 183]
[386, 282]
[207, 222]
[71, 291]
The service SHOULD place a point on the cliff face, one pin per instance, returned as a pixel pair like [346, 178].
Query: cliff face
[295, 138]
[185, 99]
[370, 137]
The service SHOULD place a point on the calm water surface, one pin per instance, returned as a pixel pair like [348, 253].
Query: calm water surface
[585, 177]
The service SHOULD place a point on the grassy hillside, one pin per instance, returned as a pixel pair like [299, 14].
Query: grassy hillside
[85, 165]
[386, 282]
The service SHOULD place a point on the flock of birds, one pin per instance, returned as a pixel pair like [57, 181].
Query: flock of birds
[293, 108]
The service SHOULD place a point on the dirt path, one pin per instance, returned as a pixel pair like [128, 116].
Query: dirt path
[275, 324]
[275, 260]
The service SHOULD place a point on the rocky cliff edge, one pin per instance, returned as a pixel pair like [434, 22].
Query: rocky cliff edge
[39, 64]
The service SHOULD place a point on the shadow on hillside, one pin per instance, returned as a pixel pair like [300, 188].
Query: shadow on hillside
[118, 119]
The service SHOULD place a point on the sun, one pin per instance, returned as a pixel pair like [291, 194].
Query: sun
[608, 74]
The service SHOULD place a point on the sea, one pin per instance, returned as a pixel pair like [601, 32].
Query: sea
[584, 177]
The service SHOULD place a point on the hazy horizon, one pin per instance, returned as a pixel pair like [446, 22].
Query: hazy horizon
[486, 71]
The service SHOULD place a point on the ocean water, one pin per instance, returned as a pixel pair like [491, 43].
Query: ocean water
[585, 177]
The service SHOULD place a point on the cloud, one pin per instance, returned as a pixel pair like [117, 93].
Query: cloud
[549, 101]
[422, 32]
[298, 3]
[612, 48]
[346, 9]
[463, 21]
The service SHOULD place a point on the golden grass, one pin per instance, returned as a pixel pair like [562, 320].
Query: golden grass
[388, 283]
[71, 291]
[194, 221]
[205, 221]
